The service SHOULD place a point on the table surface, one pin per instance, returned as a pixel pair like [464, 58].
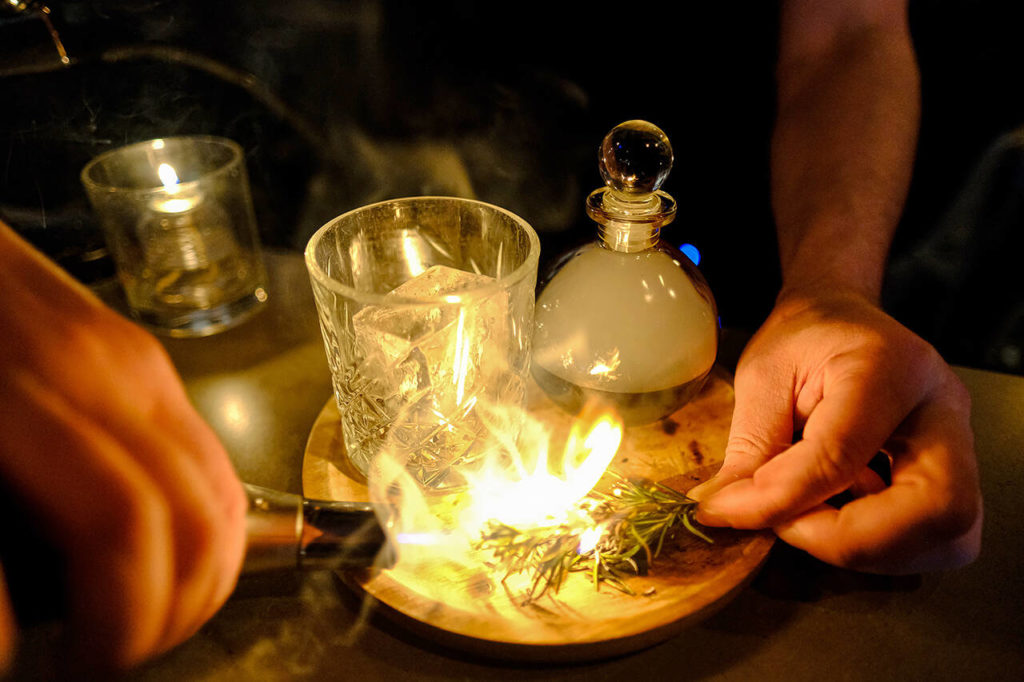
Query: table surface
[261, 386]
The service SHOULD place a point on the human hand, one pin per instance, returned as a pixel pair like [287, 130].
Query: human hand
[126, 480]
[855, 382]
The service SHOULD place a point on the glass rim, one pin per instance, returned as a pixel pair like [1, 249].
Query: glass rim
[214, 140]
[482, 291]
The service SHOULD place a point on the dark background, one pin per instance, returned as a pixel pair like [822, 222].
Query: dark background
[339, 103]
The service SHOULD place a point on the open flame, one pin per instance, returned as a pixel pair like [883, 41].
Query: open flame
[527, 480]
[169, 177]
[546, 493]
[172, 185]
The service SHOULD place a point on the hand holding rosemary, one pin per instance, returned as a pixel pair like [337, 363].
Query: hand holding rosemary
[624, 527]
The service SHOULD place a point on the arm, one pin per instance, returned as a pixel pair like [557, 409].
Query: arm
[125, 479]
[828, 364]
[843, 146]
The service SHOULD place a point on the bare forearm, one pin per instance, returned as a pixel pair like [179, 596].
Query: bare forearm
[829, 379]
[843, 145]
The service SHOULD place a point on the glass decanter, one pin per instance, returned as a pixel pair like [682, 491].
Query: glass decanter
[627, 321]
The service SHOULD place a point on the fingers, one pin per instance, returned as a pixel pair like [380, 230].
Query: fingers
[101, 440]
[27, 272]
[856, 382]
[155, 425]
[762, 424]
[154, 545]
[931, 515]
[929, 518]
[105, 511]
[882, 534]
[179, 450]
[867, 482]
[855, 416]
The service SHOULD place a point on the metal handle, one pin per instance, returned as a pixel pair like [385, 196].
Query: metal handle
[285, 531]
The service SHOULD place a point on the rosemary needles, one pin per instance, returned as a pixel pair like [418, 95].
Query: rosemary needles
[622, 528]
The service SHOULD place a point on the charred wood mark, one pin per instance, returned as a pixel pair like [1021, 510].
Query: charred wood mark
[698, 456]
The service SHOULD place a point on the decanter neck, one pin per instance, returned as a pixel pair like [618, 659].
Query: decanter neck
[630, 224]
[627, 239]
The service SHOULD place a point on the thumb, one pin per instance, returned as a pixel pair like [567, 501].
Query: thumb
[762, 424]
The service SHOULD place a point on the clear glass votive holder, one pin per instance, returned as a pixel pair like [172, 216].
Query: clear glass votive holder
[426, 308]
[178, 219]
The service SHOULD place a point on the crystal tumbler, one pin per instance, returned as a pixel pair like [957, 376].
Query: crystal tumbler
[426, 308]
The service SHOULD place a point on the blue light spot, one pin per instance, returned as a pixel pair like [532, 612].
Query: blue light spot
[691, 252]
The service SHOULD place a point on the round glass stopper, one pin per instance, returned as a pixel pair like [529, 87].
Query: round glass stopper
[636, 157]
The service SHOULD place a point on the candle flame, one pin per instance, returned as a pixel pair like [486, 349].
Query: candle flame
[172, 185]
[169, 177]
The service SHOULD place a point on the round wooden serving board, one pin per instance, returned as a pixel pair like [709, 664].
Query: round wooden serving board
[472, 611]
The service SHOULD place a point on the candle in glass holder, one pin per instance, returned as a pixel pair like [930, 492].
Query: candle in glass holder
[190, 247]
[179, 222]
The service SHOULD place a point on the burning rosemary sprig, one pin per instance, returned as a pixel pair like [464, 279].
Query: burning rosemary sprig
[634, 521]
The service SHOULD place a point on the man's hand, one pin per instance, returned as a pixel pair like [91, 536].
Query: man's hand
[828, 363]
[100, 441]
[854, 382]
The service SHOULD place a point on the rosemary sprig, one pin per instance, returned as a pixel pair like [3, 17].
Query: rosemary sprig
[637, 519]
